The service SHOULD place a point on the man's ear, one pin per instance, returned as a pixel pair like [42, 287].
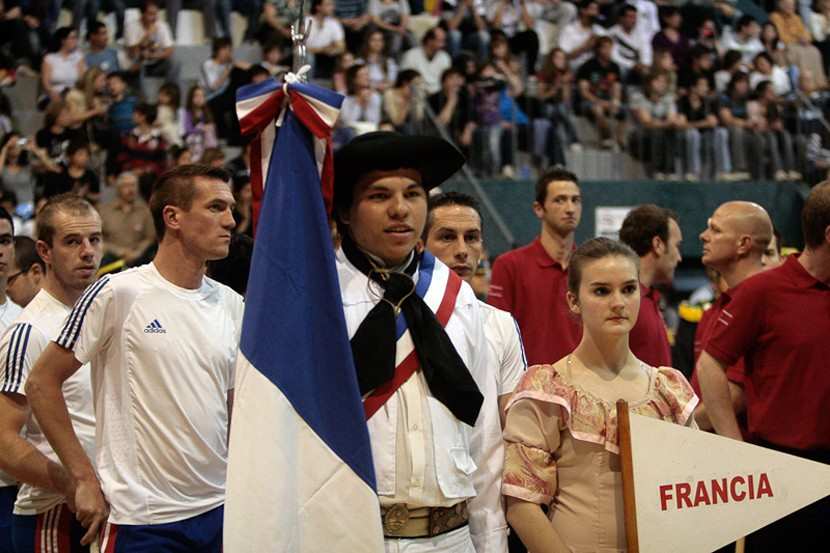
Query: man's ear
[658, 246]
[538, 210]
[44, 251]
[172, 217]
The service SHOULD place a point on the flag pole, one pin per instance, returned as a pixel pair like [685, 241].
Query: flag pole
[629, 503]
[299, 34]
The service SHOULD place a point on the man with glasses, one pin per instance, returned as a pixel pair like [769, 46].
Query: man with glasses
[26, 272]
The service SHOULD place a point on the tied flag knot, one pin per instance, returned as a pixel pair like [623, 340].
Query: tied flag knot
[299, 97]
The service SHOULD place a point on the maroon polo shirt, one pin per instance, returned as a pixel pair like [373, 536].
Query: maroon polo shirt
[703, 333]
[649, 340]
[779, 321]
[531, 285]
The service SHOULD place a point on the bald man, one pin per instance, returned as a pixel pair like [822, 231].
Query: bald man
[735, 243]
[777, 322]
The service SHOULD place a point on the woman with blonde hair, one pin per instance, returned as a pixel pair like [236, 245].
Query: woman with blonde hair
[561, 428]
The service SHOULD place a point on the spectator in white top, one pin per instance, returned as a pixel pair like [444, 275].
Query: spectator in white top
[221, 77]
[429, 59]
[326, 38]
[765, 70]
[150, 42]
[578, 38]
[509, 16]
[64, 66]
[744, 38]
[648, 20]
[382, 68]
[179, 331]
[820, 21]
[362, 108]
[632, 51]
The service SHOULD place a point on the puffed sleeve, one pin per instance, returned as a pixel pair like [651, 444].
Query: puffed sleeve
[532, 435]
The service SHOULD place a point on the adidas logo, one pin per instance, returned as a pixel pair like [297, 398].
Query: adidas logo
[154, 328]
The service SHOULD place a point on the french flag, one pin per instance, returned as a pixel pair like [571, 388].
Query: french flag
[300, 473]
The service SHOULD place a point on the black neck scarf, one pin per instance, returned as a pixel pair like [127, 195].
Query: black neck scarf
[373, 345]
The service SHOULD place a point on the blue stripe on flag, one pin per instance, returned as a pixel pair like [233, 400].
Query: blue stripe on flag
[330, 97]
[249, 91]
[294, 331]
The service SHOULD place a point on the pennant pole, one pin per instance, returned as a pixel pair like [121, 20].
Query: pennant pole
[629, 501]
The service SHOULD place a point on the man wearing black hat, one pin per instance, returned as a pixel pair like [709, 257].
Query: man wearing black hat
[418, 345]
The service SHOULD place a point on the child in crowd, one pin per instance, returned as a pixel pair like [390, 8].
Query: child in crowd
[198, 129]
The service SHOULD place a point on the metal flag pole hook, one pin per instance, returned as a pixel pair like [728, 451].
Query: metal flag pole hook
[299, 34]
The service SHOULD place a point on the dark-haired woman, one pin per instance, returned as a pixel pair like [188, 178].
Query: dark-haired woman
[561, 429]
[64, 66]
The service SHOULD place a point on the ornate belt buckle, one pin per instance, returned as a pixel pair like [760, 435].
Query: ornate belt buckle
[396, 517]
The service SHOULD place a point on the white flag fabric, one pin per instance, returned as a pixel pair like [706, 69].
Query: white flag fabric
[696, 492]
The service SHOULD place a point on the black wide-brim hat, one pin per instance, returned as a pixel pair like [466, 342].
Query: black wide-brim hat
[433, 158]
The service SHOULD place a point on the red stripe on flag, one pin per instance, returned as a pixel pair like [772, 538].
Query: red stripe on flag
[255, 160]
[308, 116]
[408, 366]
[264, 114]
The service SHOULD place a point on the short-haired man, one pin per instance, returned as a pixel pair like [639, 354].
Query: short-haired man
[423, 417]
[632, 48]
[9, 311]
[454, 236]
[736, 243]
[653, 233]
[429, 59]
[777, 322]
[161, 340]
[128, 223]
[26, 272]
[70, 243]
[530, 282]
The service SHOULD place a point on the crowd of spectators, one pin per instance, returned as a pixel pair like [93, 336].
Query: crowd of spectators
[726, 90]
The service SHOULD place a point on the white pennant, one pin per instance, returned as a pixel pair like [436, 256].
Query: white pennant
[696, 491]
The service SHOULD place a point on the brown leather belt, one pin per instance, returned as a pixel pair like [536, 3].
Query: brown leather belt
[425, 522]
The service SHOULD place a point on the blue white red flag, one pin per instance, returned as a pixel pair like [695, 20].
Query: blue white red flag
[300, 473]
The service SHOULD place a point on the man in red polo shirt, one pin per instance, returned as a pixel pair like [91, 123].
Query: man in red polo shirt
[779, 322]
[530, 282]
[653, 233]
[735, 242]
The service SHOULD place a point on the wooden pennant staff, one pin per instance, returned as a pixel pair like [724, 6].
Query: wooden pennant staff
[626, 462]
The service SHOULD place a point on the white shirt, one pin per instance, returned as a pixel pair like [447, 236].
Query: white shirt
[20, 347]
[423, 455]
[9, 311]
[749, 48]
[64, 70]
[430, 69]
[573, 36]
[161, 38]
[779, 79]
[326, 34]
[507, 366]
[162, 360]
[630, 48]
[211, 73]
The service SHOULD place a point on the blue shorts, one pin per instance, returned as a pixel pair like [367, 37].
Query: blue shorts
[199, 534]
[53, 531]
[7, 497]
